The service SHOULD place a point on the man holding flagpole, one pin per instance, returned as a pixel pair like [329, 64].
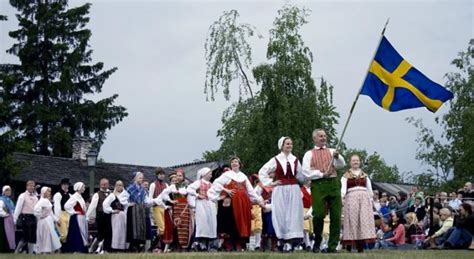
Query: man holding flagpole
[319, 165]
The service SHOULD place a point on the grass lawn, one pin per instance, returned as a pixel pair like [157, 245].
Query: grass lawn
[375, 254]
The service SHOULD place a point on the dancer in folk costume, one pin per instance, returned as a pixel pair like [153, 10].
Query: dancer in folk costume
[308, 213]
[59, 199]
[235, 193]
[116, 204]
[95, 214]
[268, 231]
[287, 207]
[148, 215]
[168, 235]
[325, 188]
[156, 188]
[176, 194]
[47, 240]
[357, 195]
[206, 210]
[24, 215]
[7, 226]
[77, 236]
[136, 216]
[256, 223]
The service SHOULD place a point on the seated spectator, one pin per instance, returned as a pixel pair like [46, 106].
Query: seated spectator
[393, 203]
[411, 228]
[397, 223]
[467, 192]
[384, 210]
[443, 199]
[460, 236]
[376, 201]
[403, 202]
[454, 203]
[418, 209]
[446, 222]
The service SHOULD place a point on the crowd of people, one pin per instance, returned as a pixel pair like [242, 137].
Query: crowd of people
[288, 205]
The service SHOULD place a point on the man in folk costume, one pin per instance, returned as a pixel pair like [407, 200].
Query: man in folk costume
[287, 207]
[156, 188]
[177, 194]
[24, 216]
[59, 199]
[236, 193]
[206, 210]
[308, 213]
[77, 235]
[325, 188]
[95, 213]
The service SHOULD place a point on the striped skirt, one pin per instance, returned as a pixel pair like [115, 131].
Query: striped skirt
[182, 221]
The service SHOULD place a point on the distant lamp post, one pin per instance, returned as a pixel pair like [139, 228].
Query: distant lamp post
[91, 162]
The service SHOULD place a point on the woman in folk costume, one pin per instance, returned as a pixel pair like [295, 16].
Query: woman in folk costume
[206, 210]
[116, 204]
[176, 194]
[236, 193]
[256, 225]
[7, 226]
[168, 235]
[77, 236]
[356, 192]
[136, 216]
[308, 213]
[287, 205]
[47, 240]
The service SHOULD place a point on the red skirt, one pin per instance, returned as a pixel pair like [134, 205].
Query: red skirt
[242, 207]
[168, 234]
[182, 221]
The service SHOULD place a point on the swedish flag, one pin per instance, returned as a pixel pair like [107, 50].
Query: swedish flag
[395, 85]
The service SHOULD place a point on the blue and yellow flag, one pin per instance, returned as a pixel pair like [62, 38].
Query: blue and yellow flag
[395, 85]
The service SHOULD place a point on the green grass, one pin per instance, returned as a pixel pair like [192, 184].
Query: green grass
[297, 255]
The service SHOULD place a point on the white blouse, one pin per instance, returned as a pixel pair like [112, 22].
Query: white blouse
[271, 166]
[218, 185]
[122, 197]
[368, 187]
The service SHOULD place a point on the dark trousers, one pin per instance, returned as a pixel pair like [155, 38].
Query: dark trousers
[104, 229]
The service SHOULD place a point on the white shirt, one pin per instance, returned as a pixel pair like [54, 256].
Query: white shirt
[57, 203]
[271, 166]
[19, 204]
[3, 210]
[91, 211]
[152, 191]
[316, 174]
[368, 187]
[122, 197]
[218, 185]
[69, 205]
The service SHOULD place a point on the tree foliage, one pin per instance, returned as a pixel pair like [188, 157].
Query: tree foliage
[288, 104]
[228, 56]
[46, 96]
[451, 156]
[375, 166]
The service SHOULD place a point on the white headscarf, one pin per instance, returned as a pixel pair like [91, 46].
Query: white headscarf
[5, 188]
[78, 186]
[281, 141]
[202, 172]
[44, 189]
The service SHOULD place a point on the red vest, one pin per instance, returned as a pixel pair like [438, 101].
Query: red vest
[321, 158]
[307, 199]
[159, 187]
[290, 177]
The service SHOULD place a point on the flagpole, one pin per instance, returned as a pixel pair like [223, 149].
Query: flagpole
[358, 94]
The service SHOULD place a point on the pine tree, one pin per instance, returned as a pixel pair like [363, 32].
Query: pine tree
[46, 95]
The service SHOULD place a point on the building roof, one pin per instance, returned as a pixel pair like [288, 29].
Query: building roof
[49, 170]
[391, 188]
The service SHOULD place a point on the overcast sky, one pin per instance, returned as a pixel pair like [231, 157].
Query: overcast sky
[158, 47]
